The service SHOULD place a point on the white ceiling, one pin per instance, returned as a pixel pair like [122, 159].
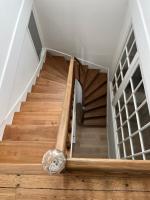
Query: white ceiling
[88, 29]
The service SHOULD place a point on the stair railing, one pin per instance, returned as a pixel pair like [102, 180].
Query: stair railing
[54, 161]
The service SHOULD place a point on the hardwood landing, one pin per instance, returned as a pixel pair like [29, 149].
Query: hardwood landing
[91, 143]
[75, 185]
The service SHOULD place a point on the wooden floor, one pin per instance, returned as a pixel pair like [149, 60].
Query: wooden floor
[73, 186]
[91, 143]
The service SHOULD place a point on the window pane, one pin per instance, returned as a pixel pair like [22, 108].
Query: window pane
[121, 150]
[131, 40]
[118, 71]
[119, 81]
[133, 124]
[117, 109]
[123, 115]
[130, 106]
[123, 57]
[128, 148]
[132, 52]
[144, 115]
[128, 90]
[119, 135]
[125, 131]
[125, 69]
[136, 143]
[118, 121]
[122, 101]
[146, 138]
[139, 157]
[140, 95]
[114, 90]
[129, 158]
[113, 82]
[147, 156]
[137, 77]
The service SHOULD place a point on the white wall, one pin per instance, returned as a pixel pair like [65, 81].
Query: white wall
[8, 15]
[20, 62]
[88, 29]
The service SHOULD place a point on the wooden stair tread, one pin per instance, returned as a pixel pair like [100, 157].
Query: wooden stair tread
[97, 83]
[58, 62]
[45, 97]
[90, 155]
[99, 112]
[52, 122]
[96, 140]
[47, 89]
[53, 70]
[100, 122]
[36, 118]
[41, 106]
[89, 150]
[96, 95]
[47, 81]
[96, 104]
[23, 151]
[48, 76]
[30, 132]
[90, 77]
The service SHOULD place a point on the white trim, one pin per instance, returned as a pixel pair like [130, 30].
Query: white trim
[107, 107]
[113, 122]
[92, 65]
[16, 107]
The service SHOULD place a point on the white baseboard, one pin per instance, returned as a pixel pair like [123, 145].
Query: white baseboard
[16, 107]
[90, 64]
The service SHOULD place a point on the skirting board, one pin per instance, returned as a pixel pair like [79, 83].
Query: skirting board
[16, 107]
[90, 64]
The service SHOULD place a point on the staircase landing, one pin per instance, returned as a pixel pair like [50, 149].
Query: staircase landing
[74, 185]
[91, 143]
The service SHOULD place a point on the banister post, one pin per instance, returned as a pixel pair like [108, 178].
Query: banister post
[54, 161]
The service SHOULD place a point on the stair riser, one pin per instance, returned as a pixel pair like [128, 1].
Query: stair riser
[96, 95]
[23, 152]
[23, 133]
[94, 89]
[95, 113]
[96, 104]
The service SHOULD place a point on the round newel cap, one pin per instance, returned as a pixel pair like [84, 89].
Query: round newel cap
[54, 161]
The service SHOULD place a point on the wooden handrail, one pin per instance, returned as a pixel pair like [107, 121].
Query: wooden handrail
[63, 127]
[108, 165]
[54, 160]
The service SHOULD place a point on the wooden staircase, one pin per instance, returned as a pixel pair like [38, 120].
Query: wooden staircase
[34, 129]
[94, 88]
[43, 124]
[91, 132]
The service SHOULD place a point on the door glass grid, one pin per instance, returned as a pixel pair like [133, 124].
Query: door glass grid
[129, 52]
[133, 120]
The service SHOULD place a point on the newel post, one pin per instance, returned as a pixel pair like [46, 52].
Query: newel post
[54, 161]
